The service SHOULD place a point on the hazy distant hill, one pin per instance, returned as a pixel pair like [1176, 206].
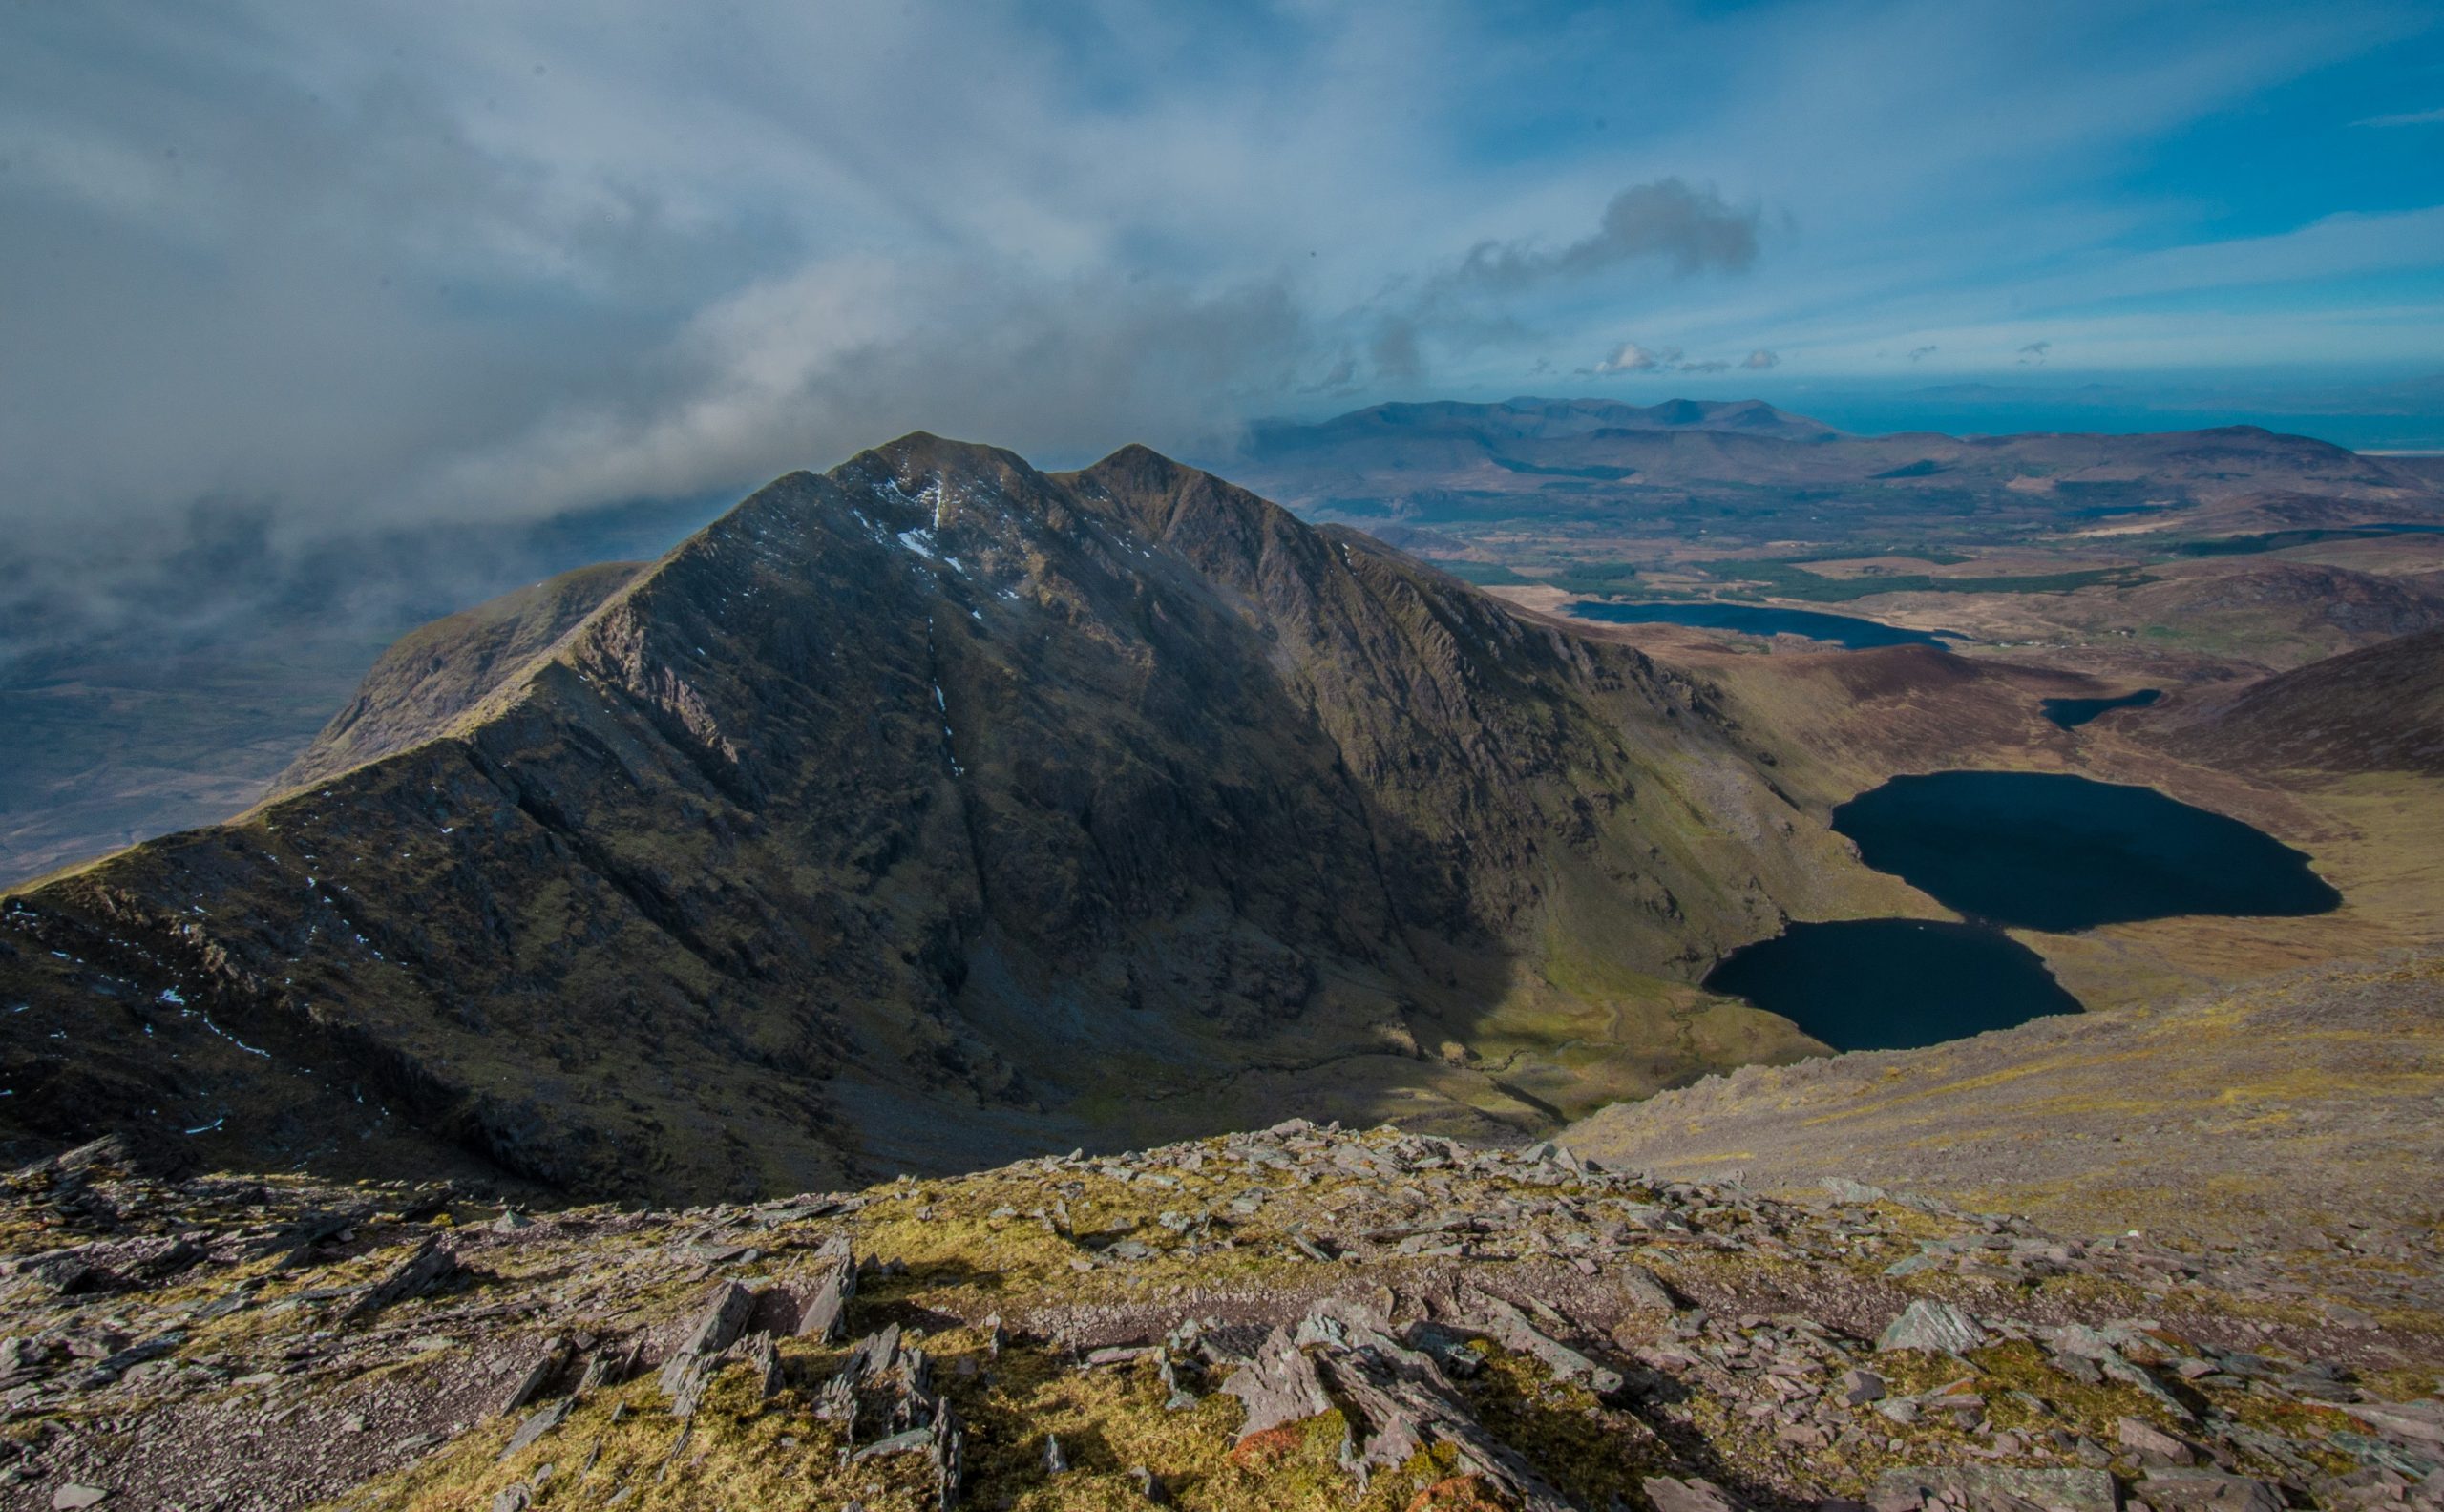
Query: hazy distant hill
[1742, 468]
[1529, 420]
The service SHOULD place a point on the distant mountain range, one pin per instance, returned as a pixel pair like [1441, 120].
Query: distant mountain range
[1748, 471]
[926, 810]
[1530, 419]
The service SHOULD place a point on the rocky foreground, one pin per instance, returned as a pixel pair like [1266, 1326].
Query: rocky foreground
[1301, 1317]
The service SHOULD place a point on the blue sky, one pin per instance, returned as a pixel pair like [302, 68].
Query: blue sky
[477, 257]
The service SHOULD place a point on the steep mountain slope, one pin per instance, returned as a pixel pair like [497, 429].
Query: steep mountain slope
[432, 676]
[162, 680]
[927, 811]
[2376, 709]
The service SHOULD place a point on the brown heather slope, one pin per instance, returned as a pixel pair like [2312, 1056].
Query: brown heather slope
[2376, 709]
[931, 811]
[2285, 1115]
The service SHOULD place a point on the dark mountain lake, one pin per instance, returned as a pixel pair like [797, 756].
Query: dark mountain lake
[2052, 852]
[2025, 849]
[1893, 983]
[2071, 713]
[1757, 619]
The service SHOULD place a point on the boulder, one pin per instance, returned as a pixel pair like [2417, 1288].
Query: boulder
[1936, 1328]
[2150, 1444]
[1278, 1386]
[1982, 1488]
[2207, 1491]
[1689, 1495]
[717, 1325]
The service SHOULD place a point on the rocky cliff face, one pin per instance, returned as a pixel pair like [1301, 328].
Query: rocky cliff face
[928, 811]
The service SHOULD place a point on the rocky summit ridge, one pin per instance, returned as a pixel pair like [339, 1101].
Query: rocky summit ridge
[1297, 1317]
[914, 816]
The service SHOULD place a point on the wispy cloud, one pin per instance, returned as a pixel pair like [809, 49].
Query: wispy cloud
[1632, 358]
[2430, 117]
[1689, 230]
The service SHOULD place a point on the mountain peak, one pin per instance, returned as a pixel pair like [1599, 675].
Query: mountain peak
[920, 461]
[926, 811]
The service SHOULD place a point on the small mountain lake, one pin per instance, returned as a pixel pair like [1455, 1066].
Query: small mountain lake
[2039, 851]
[2052, 852]
[2071, 713]
[1847, 631]
[1893, 983]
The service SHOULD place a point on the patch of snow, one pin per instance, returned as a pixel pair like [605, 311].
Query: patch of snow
[232, 1038]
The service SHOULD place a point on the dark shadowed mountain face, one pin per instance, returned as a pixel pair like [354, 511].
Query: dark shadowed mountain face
[926, 810]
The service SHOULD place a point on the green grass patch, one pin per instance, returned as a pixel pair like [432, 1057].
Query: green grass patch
[1484, 575]
[1785, 578]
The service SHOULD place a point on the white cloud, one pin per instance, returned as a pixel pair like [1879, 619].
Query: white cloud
[465, 258]
[1632, 358]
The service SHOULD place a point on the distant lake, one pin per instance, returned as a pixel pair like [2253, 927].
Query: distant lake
[2057, 852]
[1893, 983]
[2071, 713]
[1758, 620]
